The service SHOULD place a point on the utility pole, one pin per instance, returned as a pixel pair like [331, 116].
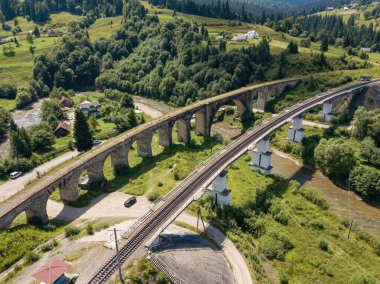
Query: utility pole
[117, 254]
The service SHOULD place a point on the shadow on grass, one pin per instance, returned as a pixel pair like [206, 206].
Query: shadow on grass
[149, 163]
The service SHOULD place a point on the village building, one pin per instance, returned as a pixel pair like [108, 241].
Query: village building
[240, 37]
[66, 102]
[330, 9]
[90, 108]
[62, 129]
[303, 35]
[365, 49]
[252, 34]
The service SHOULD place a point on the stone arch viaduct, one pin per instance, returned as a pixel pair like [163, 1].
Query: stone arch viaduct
[33, 199]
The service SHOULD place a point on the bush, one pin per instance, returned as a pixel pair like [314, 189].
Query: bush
[71, 231]
[314, 197]
[31, 257]
[323, 245]
[153, 195]
[90, 229]
[316, 225]
[49, 246]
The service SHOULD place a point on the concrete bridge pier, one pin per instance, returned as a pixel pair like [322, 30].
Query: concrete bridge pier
[119, 158]
[326, 113]
[165, 135]
[36, 213]
[68, 188]
[262, 98]
[183, 127]
[219, 191]
[144, 145]
[295, 132]
[261, 158]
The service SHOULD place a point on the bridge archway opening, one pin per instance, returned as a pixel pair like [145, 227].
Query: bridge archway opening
[226, 116]
[19, 221]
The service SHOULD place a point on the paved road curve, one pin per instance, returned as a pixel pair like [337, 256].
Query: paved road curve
[208, 170]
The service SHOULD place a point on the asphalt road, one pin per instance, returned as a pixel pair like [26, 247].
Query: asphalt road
[13, 186]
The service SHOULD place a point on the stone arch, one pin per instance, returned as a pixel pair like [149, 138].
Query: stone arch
[95, 171]
[118, 159]
[144, 144]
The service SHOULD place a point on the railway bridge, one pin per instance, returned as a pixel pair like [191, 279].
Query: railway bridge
[33, 198]
[190, 189]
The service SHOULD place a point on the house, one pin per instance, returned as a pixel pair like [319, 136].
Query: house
[252, 34]
[2, 42]
[44, 30]
[62, 129]
[240, 37]
[6, 27]
[345, 8]
[90, 108]
[66, 102]
[52, 33]
[330, 9]
[303, 35]
[365, 49]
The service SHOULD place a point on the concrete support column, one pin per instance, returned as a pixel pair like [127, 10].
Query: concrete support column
[296, 132]
[36, 212]
[326, 113]
[219, 191]
[119, 158]
[183, 127]
[165, 135]
[144, 145]
[262, 98]
[68, 188]
[95, 172]
[261, 158]
[201, 123]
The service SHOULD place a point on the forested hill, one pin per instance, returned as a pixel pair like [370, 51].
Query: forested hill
[246, 10]
[39, 10]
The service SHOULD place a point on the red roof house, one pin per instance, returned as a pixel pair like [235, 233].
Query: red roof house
[62, 129]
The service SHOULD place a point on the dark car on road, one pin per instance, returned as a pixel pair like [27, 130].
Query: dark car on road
[130, 201]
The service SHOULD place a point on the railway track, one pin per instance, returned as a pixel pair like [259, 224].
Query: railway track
[199, 177]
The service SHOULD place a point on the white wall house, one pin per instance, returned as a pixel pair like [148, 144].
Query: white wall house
[252, 35]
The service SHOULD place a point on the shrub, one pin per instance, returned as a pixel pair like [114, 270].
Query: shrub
[153, 195]
[90, 229]
[323, 245]
[316, 225]
[31, 257]
[71, 231]
[160, 184]
[314, 197]
[49, 246]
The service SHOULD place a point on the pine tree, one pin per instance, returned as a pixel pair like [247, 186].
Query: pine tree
[82, 133]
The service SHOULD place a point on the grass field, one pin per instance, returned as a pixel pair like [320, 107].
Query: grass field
[359, 14]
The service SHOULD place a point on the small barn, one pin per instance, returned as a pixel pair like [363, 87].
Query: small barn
[66, 102]
[62, 129]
